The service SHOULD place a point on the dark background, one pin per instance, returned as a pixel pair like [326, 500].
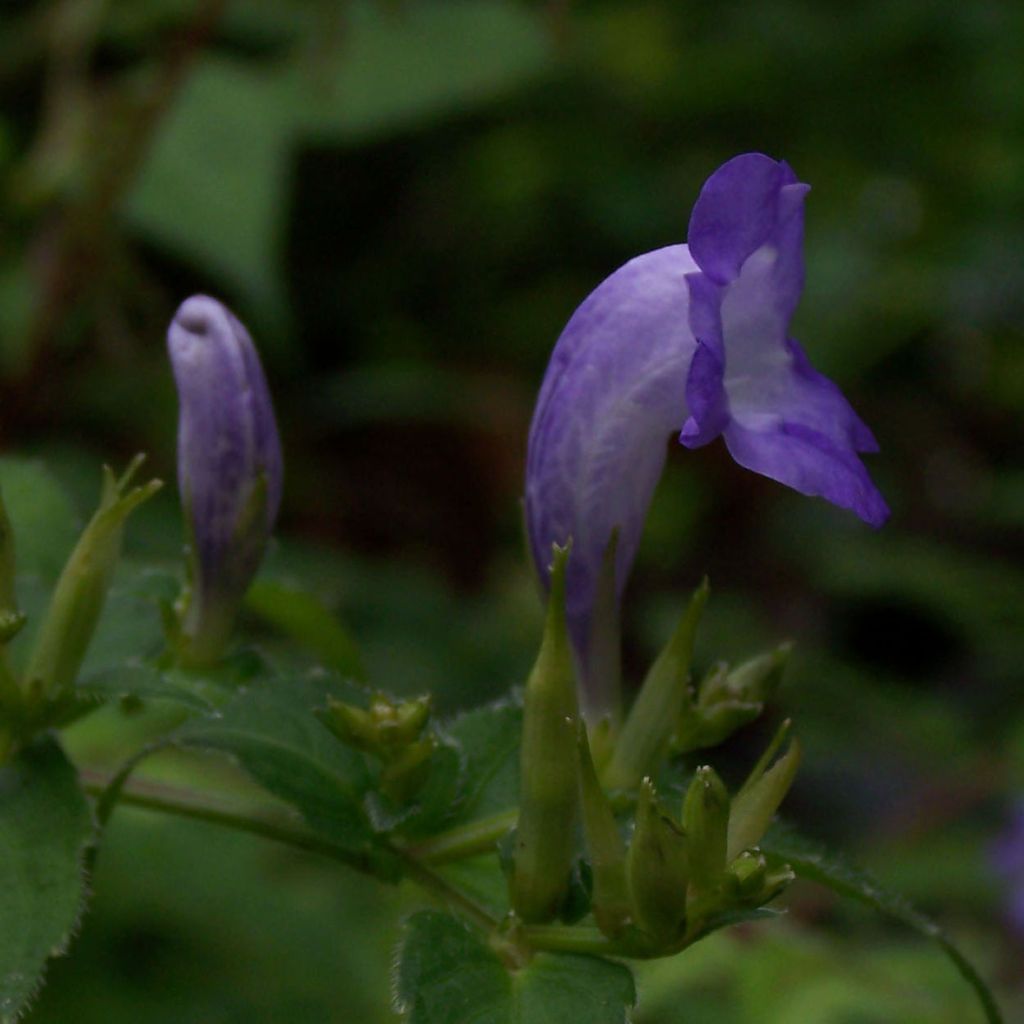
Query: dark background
[405, 201]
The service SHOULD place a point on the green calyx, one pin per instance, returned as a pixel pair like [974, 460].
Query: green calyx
[727, 699]
[392, 731]
[549, 772]
[81, 590]
[646, 734]
[610, 899]
[658, 870]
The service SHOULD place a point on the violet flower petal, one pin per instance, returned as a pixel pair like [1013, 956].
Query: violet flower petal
[692, 339]
[750, 380]
[229, 456]
[613, 393]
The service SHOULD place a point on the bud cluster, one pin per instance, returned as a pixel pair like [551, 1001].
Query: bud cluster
[394, 733]
[656, 882]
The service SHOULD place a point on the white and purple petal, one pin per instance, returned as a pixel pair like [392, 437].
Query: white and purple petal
[691, 339]
[229, 453]
[614, 392]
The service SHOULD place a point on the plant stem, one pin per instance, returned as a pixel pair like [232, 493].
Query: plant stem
[271, 824]
[464, 841]
[444, 891]
[560, 938]
[186, 803]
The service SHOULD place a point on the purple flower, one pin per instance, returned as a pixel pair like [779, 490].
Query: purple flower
[690, 339]
[229, 467]
[1008, 860]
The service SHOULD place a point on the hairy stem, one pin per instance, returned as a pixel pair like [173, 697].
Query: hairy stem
[279, 825]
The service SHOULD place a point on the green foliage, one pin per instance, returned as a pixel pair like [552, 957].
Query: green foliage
[45, 826]
[210, 190]
[42, 517]
[269, 730]
[488, 739]
[444, 974]
[810, 861]
[299, 615]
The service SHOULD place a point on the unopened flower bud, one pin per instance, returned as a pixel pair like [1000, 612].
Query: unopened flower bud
[549, 786]
[644, 739]
[610, 902]
[706, 821]
[229, 468]
[81, 590]
[756, 803]
[745, 875]
[385, 728]
[728, 699]
[657, 868]
[404, 775]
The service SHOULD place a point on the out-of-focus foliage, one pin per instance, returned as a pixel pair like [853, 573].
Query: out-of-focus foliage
[405, 199]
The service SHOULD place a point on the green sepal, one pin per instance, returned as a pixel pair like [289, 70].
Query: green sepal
[549, 786]
[727, 699]
[657, 868]
[81, 590]
[403, 777]
[610, 901]
[644, 740]
[754, 807]
[706, 821]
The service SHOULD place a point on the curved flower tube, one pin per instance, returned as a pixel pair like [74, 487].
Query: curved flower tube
[694, 340]
[229, 467]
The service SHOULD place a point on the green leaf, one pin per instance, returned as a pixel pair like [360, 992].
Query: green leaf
[812, 862]
[488, 739]
[141, 681]
[445, 974]
[45, 826]
[213, 189]
[396, 68]
[301, 616]
[42, 516]
[269, 729]
[212, 186]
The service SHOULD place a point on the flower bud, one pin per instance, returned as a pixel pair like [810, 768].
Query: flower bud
[81, 590]
[548, 787]
[386, 728]
[706, 821]
[609, 901]
[756, 803]
[645, 737]
[229, 468]
[657, 868]
[729, 699]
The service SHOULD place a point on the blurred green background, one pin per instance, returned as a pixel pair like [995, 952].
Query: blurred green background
[405, 201]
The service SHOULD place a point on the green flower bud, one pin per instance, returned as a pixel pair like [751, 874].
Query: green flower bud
[644, 739]
[78, 598]
[385, 728]
[549, 784]
[657, 869]
[744, 877]
[756, 803]
[706, 821]
[729, 699]
[609, 902]
[405, 775]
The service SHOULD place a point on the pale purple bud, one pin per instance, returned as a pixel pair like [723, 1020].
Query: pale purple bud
[229, 467]
[691, 340]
